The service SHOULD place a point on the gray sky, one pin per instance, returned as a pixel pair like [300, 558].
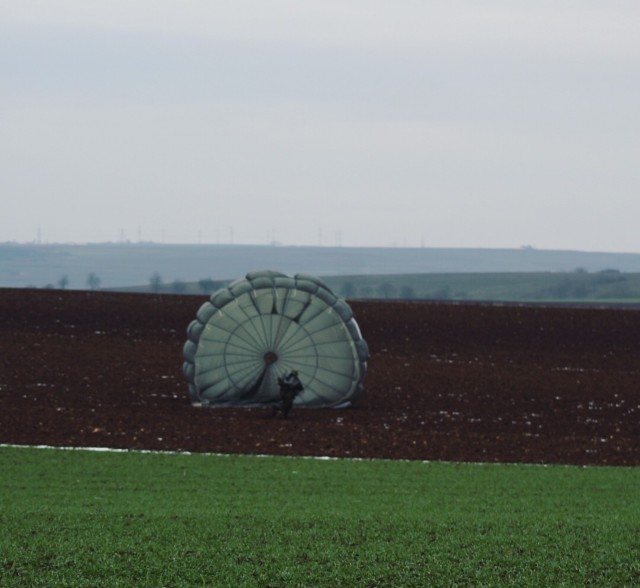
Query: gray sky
[362, 123]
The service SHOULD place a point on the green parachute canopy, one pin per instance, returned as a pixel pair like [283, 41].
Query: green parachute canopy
[261, 327]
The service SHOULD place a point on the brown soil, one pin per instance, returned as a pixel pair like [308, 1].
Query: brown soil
[445, 382]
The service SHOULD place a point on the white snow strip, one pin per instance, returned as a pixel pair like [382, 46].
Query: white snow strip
[315, 457]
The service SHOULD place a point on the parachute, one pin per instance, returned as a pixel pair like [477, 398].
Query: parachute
[263, 326]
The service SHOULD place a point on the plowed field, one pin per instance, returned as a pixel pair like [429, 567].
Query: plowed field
[445, 382]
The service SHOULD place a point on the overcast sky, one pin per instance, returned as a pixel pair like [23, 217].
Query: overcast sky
[362, 123]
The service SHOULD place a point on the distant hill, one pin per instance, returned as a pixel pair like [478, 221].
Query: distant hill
[603, 288]
[134, 264]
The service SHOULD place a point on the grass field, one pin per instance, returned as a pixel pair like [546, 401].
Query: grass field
[604, 287]
[81, 518]
[607, 287]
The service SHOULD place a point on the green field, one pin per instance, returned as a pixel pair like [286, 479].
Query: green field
[604, 287]
[80, 518]
[600, 288]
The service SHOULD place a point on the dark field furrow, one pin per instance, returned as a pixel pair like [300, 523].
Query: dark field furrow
[445, 382]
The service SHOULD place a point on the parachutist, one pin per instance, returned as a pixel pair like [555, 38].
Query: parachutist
[290, 386]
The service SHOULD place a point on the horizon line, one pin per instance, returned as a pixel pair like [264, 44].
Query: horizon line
[279, 245]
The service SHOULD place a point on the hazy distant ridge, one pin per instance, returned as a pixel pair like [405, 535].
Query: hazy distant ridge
[120, 265]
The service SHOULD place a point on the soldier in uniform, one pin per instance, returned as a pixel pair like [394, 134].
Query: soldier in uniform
[290, 387]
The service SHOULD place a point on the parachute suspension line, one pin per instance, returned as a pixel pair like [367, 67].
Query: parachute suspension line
[257, 332]
[284, 322]
[241, 331]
